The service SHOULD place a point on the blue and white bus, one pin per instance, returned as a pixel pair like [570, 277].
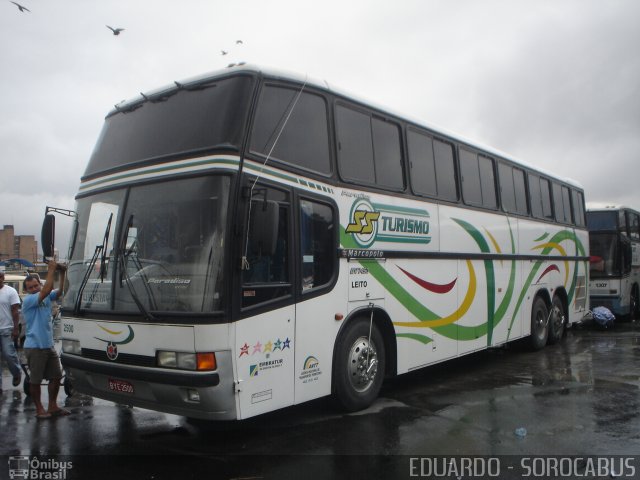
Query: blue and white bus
[614, 239]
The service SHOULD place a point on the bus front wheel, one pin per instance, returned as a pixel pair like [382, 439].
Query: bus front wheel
[359, 364]
[557, 321]
[539, 324]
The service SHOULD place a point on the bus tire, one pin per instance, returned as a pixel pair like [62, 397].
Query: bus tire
[68, 387]
[539, 324]
[356, 383]
[557, 321]
[634, 306]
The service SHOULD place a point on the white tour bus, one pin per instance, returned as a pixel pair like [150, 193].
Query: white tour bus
[248, 240]
[614, 239]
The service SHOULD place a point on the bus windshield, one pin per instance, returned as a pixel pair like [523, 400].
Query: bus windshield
[203, 118]
[602, 221]
[604, 255]
[168, 254]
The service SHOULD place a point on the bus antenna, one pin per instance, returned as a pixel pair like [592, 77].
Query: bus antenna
[245, 261]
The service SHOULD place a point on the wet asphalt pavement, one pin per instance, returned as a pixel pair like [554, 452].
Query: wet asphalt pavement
[578, 398]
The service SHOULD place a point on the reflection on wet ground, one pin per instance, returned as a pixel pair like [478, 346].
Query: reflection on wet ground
[577, 397]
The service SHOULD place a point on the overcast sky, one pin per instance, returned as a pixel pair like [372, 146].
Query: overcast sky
[555, 83]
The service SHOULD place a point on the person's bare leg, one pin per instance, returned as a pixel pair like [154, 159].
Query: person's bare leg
[36, 393]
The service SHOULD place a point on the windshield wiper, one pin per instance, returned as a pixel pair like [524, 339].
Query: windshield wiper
[123, 256]
[85, 279]
[100, 249]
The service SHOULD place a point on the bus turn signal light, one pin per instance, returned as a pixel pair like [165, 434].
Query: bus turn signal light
[206, 361]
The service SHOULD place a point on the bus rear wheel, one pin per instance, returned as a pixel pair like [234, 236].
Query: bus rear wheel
[557, 321]
[359, 364]
[539, 324]
[634, 305]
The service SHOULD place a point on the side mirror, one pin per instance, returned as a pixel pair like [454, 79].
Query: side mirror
[48, 237]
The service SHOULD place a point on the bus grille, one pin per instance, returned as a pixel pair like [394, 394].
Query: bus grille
[122, 358]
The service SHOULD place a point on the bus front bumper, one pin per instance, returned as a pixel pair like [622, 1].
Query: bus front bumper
[204, 395]
[613, 303]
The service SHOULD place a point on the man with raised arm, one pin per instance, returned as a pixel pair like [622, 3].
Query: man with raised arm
[42, 358]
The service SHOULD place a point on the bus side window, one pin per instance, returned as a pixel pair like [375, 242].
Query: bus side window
[387, 154]
[507, 192]
[558, 207]
[520, 191]
[445, 171]
[422, 164]
[535, 196]
[478, 180]
[470, 178]
[304, 140]
[317, 244]
[545, 190]
[369, 150]
[567, 205]
[266, 274]
[634, 226]
[578, 208]
[355, 145]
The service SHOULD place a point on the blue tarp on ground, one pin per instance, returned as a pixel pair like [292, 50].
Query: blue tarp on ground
[603, 316]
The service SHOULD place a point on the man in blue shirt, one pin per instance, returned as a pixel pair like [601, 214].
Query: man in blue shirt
[42, 358]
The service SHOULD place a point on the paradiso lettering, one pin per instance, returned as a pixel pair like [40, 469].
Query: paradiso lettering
[371, 222]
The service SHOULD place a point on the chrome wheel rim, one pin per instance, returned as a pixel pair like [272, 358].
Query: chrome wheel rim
[540, 323]
[363, 364]
[557, 318]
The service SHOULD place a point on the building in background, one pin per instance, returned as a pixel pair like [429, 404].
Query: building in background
[14, 246]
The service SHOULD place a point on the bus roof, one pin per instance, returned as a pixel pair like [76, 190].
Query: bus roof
[279, 74]
[601, 207]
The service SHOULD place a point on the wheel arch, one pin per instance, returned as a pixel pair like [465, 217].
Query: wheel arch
[383, 321]
[545, 294]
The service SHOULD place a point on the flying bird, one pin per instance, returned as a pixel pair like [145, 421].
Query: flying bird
[21, 8]
[116, 31]
[223, 52]
[238, 42]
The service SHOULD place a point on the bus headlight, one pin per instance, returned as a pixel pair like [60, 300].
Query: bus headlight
[186, 360]
[71, 346]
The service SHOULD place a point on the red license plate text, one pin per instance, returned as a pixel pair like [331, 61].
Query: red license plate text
[120, 386]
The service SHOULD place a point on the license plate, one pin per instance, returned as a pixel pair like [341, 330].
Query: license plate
[121, 386]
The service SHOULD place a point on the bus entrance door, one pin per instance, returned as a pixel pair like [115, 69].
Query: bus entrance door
[265, 362]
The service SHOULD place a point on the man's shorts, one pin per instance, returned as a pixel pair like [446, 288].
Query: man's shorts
[44, 363]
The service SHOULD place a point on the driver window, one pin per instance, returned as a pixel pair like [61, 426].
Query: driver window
[266, 267]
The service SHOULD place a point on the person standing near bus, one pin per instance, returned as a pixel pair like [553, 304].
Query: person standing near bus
[9, 318]
[41, 356]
